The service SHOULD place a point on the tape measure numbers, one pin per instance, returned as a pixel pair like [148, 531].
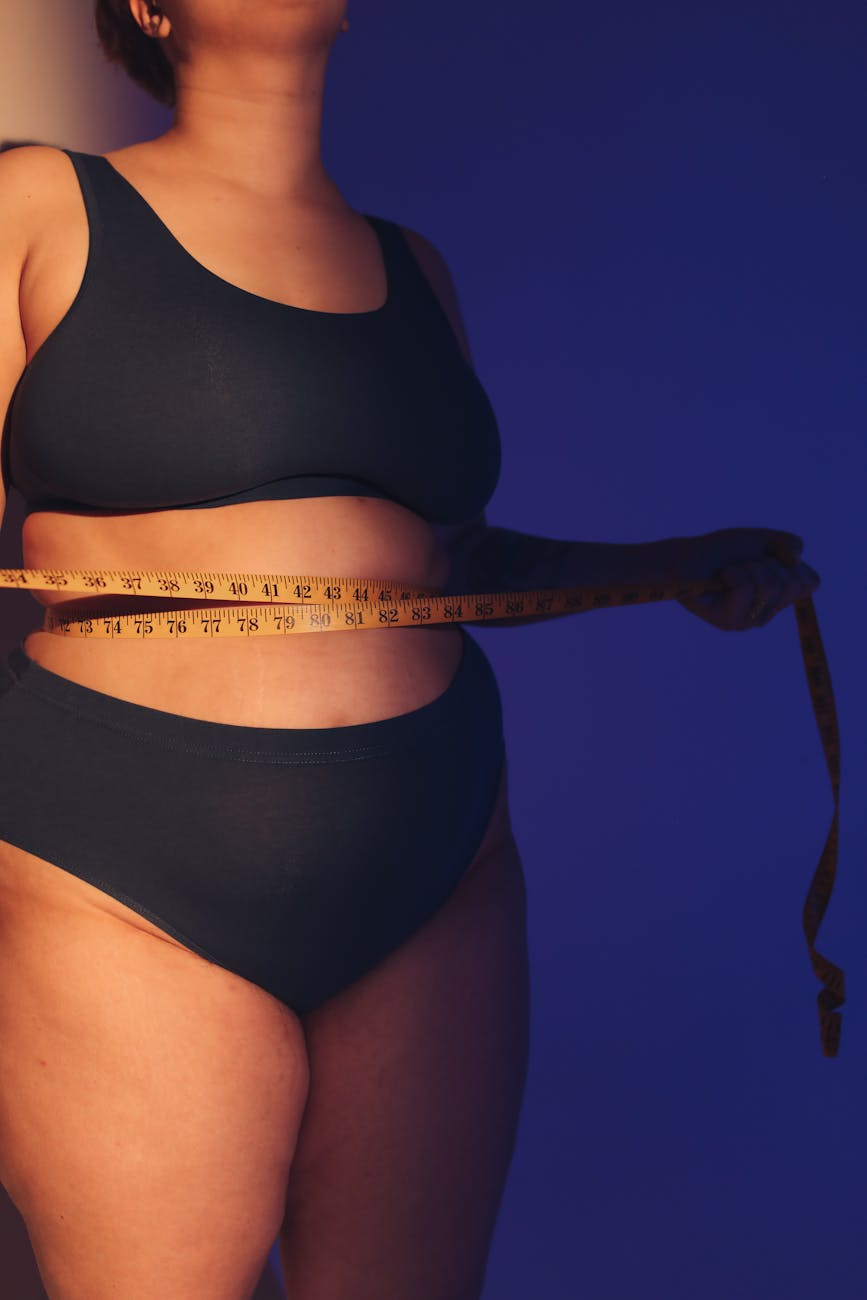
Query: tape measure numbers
[299, 602]
[284, 604]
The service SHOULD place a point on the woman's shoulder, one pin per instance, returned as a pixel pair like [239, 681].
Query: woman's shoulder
[36, 180]
[33, 163]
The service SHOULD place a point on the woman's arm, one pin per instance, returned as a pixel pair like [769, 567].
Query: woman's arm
[492, 559]
[486, 558]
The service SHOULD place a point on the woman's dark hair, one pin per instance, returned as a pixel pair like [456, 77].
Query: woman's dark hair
[124, 42]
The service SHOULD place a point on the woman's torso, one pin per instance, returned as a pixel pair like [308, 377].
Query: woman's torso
[321, 679]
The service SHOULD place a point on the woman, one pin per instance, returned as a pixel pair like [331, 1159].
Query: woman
[264, 969]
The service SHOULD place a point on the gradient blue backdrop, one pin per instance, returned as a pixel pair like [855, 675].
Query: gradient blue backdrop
[656, 217]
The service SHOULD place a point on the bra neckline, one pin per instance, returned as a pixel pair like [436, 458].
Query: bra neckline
[373, 222]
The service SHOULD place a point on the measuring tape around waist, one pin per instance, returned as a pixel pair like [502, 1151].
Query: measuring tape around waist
[317, 604]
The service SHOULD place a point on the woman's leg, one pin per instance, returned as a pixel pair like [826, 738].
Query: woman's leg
[21, 1280]
[149, 1099]
[417, 1080]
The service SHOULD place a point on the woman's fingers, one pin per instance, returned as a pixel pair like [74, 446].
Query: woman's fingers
[789, 588]
[784, 546]
[794, 582]
[753, 584]
[764, 574]
[768, 585]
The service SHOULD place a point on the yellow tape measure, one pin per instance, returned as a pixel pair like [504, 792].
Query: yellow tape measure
[317, 604]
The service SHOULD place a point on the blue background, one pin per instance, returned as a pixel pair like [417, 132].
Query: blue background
[656, 219]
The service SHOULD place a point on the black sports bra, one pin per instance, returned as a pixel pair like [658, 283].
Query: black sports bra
[166, 387]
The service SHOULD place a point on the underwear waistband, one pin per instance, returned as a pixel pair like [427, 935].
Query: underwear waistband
[474, 686]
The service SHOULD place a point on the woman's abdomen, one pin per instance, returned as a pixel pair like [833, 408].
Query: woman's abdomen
[309, 679]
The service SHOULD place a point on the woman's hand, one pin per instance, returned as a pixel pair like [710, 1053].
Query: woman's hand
[762, 570]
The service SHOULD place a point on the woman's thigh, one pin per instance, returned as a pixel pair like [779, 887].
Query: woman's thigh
[416, 1085]
[149, 1099]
